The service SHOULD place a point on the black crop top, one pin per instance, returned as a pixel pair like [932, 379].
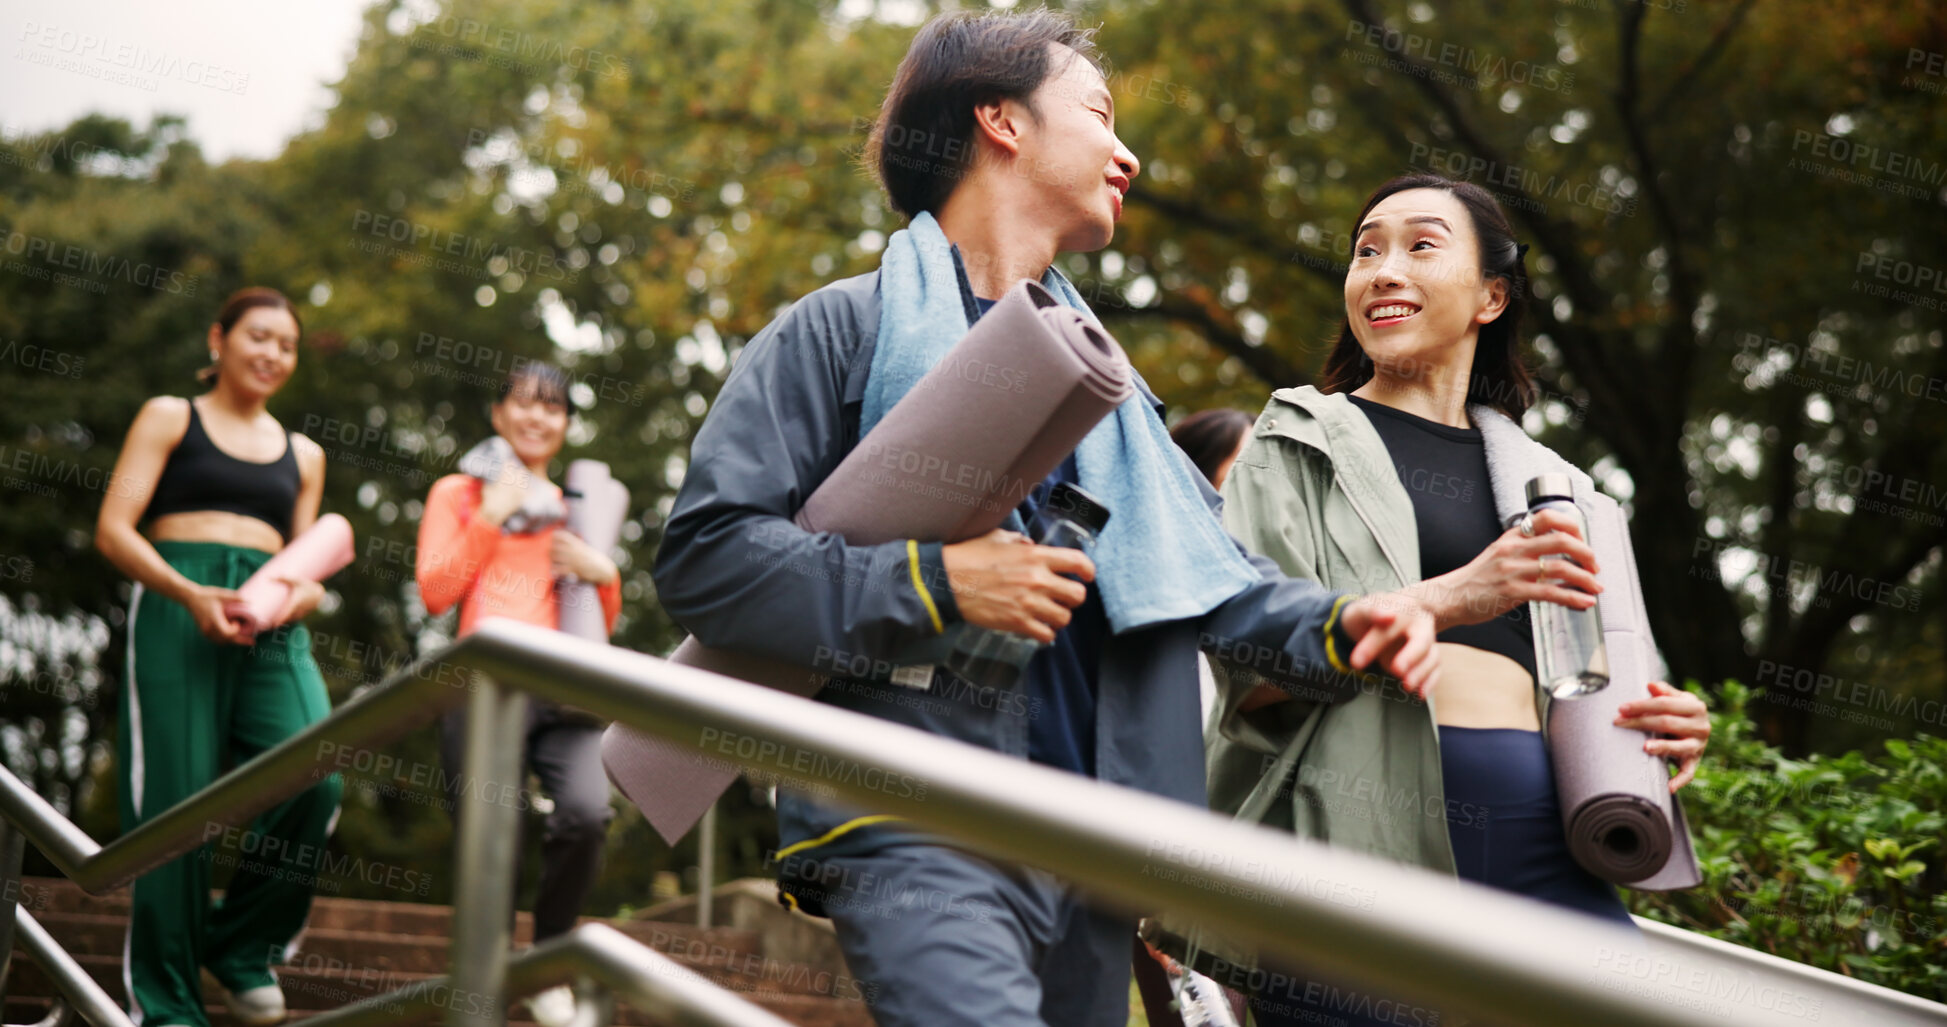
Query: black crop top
[1444, 470]
[200, 476]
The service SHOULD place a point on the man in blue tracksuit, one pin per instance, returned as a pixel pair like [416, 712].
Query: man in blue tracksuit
[997, 141]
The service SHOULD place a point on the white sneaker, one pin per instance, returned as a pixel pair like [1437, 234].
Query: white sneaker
[257, 1007]
[554, 1007]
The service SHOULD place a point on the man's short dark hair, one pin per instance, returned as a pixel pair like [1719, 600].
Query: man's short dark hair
[923, 142]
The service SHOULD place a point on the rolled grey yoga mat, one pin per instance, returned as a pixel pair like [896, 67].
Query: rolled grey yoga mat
[597, 506]
[1623, 825]
[990, 421]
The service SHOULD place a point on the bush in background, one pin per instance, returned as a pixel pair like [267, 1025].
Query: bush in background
[1833, 861]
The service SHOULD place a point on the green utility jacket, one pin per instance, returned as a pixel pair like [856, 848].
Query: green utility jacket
[1315, 490]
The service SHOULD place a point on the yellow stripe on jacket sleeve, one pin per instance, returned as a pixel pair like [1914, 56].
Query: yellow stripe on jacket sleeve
[832, 835]
[919, 585]
[1331, 647]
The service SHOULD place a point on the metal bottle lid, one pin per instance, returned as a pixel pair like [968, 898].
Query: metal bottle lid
[1543, 487]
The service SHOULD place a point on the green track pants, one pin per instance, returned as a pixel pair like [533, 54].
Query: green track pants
[193, 709]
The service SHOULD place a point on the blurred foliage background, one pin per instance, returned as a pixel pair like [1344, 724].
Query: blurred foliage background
[1829, 860]
[1735, 209]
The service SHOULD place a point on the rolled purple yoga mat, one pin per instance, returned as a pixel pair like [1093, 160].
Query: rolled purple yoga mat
[597, 506]
[999, 412]
[1622, 823]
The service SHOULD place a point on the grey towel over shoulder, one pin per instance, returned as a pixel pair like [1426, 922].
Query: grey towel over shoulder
[950, 461]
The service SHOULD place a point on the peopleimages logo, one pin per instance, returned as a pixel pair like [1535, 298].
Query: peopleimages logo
[53, 253]
[473, 252]
[89, 51]
[1481, 68]
[523, 46]
[1521, 181]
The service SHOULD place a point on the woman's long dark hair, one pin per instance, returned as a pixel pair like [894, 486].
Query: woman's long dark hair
[1499, 378]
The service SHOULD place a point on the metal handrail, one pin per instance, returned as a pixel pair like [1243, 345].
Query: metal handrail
[650, 981]
[1676, 939]
[1397, 930]
[79, 991]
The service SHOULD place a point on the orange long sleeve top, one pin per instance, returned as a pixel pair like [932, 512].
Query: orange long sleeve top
[463, 559]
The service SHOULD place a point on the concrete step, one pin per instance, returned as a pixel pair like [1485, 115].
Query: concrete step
[57, 895]
[355, 948]
[102, 934]
[328, 984]
[802, 1010]
[49, 898]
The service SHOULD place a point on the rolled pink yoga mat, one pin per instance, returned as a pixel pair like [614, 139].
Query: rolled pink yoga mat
[948, 462]
[323, 550]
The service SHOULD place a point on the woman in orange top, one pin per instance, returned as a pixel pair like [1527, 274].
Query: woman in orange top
[481, 546]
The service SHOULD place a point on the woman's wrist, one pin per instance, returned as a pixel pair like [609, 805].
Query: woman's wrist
[600, 571]
[1435, 594]
[178, 588]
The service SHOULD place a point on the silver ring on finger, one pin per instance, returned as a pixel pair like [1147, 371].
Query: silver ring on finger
[1528, 526]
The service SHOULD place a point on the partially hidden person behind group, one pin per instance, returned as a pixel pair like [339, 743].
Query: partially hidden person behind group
[1384, 477]
[1211, 439]
[494, 544]
[997, 142]
[222, 486]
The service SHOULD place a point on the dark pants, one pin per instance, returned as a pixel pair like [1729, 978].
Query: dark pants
[1506, 828]
[563, 750]
[941, 938]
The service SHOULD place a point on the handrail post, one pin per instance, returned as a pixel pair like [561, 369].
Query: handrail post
[13, 849]
[487, 847]
[706, 867]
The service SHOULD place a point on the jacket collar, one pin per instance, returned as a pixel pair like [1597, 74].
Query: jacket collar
[1363, 469]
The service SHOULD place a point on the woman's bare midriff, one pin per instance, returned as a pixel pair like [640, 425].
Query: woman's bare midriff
[216, 526]
[1482, 689]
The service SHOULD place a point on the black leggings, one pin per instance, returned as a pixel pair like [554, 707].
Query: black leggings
[1506, 828]
[1506, 825]
[564, 750]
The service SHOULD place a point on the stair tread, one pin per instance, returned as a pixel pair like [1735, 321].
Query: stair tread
[336, 981]
[727, 937]
[398, 943]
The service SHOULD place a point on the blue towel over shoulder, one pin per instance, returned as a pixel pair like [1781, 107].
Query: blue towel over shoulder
[1163, 555]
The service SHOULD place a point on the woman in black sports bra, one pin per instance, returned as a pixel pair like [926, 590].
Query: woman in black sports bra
[223, 487]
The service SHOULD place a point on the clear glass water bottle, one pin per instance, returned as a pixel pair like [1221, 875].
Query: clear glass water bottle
[1072, 519]
[1571, 658]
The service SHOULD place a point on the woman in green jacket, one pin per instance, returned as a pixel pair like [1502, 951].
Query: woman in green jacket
[1398, 473]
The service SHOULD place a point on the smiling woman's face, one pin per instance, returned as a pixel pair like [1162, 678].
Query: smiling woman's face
[258, 353]
[533, 421]
[1414, 293]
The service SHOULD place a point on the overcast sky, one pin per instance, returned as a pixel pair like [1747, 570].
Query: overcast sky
[247, 74]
